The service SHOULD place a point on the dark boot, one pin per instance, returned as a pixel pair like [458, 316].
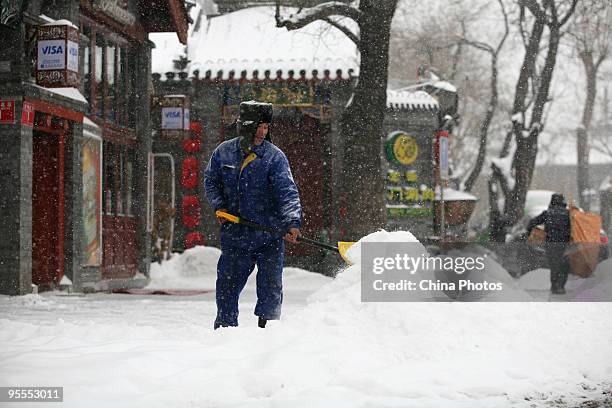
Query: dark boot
[557, 290]
[261, 322]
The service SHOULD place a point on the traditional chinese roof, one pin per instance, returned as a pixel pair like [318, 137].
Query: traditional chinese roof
[248, 40]
[410, 100]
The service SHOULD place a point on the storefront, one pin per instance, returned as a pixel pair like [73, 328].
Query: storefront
[82, 154]
[309, 85]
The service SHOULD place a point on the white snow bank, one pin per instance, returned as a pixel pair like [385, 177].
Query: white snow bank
[196, 268]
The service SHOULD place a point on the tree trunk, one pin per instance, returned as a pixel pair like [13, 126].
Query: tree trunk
[527, 143]
[582, 133]
[522, 87]
[362, 121]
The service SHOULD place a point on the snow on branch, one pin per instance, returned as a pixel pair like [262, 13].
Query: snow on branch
[319, 12]
[351, 35]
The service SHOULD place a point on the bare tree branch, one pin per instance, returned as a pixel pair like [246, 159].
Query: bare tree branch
[535, 9]
[350, 34]
[318, 12]
[486, 122]
[569, 13]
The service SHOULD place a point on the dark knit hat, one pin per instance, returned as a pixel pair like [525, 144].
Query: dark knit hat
[557, 200]
[252, 113]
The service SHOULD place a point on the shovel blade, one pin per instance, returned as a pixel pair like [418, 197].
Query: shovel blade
[342, 248]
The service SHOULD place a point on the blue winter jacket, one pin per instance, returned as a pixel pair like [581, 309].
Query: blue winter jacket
[264, 192]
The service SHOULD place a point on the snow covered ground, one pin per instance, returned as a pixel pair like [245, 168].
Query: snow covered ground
[329, 350]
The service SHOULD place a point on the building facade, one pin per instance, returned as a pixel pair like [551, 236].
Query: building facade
[75, 159]
[309, 89]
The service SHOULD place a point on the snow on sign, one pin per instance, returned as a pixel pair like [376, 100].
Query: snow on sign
[7, 112]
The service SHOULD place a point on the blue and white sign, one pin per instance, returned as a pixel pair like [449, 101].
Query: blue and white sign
[186, 119]
[73, 56]
[444, 158]
[172, 118]
[52, 55]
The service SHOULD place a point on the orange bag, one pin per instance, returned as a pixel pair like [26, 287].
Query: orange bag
[583, 253]
[537, 236]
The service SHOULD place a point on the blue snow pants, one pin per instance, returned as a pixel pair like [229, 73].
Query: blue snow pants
[234, 267]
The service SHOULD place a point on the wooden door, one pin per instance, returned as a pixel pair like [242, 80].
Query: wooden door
[302, 142]
[47, 207]
[120, 252]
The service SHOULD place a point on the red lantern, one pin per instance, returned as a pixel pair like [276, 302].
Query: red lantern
[193, 143]
[191, 211]
[189, 173]
[193, 238]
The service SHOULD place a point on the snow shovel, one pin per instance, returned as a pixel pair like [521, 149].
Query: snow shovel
[341, 248]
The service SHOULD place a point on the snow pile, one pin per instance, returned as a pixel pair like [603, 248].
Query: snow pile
[439, 354]
[196, 268]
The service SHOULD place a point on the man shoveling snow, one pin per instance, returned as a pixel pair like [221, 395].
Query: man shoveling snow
[250, 176]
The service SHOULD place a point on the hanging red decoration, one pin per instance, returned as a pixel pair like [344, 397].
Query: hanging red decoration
[193, 238]
[193, 142]
[190, 211]
[189, 173]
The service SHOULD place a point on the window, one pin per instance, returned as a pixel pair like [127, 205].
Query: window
[128, 184]
[118, 181]
[87, 64]
[108, 181]
[109, 76]
[99, 76]
[110, 82]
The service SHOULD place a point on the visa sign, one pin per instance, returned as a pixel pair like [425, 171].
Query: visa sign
[52, 55]
[172, 118]
[73, 56]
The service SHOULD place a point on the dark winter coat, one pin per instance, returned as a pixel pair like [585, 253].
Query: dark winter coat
[263, 192]
[556, 220]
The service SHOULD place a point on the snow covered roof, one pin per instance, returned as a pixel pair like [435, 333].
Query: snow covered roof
[71, 93]
[410, 100]
[167, 49]
[450, 194]
[51, 22]
[248, 40]
[447, 86]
